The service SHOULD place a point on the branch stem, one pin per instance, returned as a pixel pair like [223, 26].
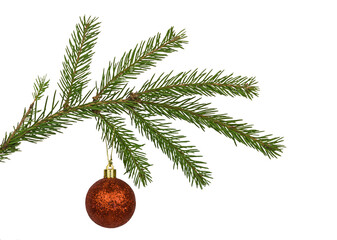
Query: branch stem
[245, 86]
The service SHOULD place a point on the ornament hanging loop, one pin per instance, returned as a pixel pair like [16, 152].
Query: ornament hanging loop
[110, 171]
[109, 157]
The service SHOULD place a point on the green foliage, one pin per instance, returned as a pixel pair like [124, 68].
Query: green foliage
[171, 143]
[40, 86]
[138, 60]
[199, 114]
[194, 83]
[171, 96]
[129, 151]
[11, 141]
[76, 65]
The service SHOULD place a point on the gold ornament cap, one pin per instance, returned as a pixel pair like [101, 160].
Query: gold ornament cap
[109, 172]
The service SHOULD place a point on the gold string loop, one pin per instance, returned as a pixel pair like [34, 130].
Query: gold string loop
[110, 171]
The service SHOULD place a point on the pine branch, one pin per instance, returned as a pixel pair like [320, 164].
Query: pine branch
[171, 143]
[77, 61]
[201, 116]
[163, 96]
[125, 143]
[194, 83]
[137, 61]
[40, 86]
[50, 123]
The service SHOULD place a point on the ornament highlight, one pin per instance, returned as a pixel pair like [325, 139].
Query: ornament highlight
[110, 202]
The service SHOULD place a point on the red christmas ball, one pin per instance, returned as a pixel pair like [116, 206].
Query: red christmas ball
[110, 202]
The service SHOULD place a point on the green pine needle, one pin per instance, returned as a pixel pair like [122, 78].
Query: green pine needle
[199, 114]
[76, 65]
[173, 145]
[40, 86]
[129, 151]
[138, 60]
[172, 96]
[194, 83]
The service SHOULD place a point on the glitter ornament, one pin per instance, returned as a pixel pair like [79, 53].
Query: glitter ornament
[110, 201]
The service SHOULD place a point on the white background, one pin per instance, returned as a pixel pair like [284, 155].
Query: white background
[290, 46]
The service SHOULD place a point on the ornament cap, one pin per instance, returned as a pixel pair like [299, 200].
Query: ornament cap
[109, 172]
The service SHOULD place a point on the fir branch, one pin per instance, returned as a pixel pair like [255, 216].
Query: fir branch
[171, 143]
[40, 86]
[54, 123]
[7, 147]
[164, 96]
[201, 116]
[194, 83]
[138, 60]
[50, 123]
[127, 148]
[77, 61]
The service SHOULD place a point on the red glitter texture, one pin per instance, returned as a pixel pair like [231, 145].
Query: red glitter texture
[110, 202]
